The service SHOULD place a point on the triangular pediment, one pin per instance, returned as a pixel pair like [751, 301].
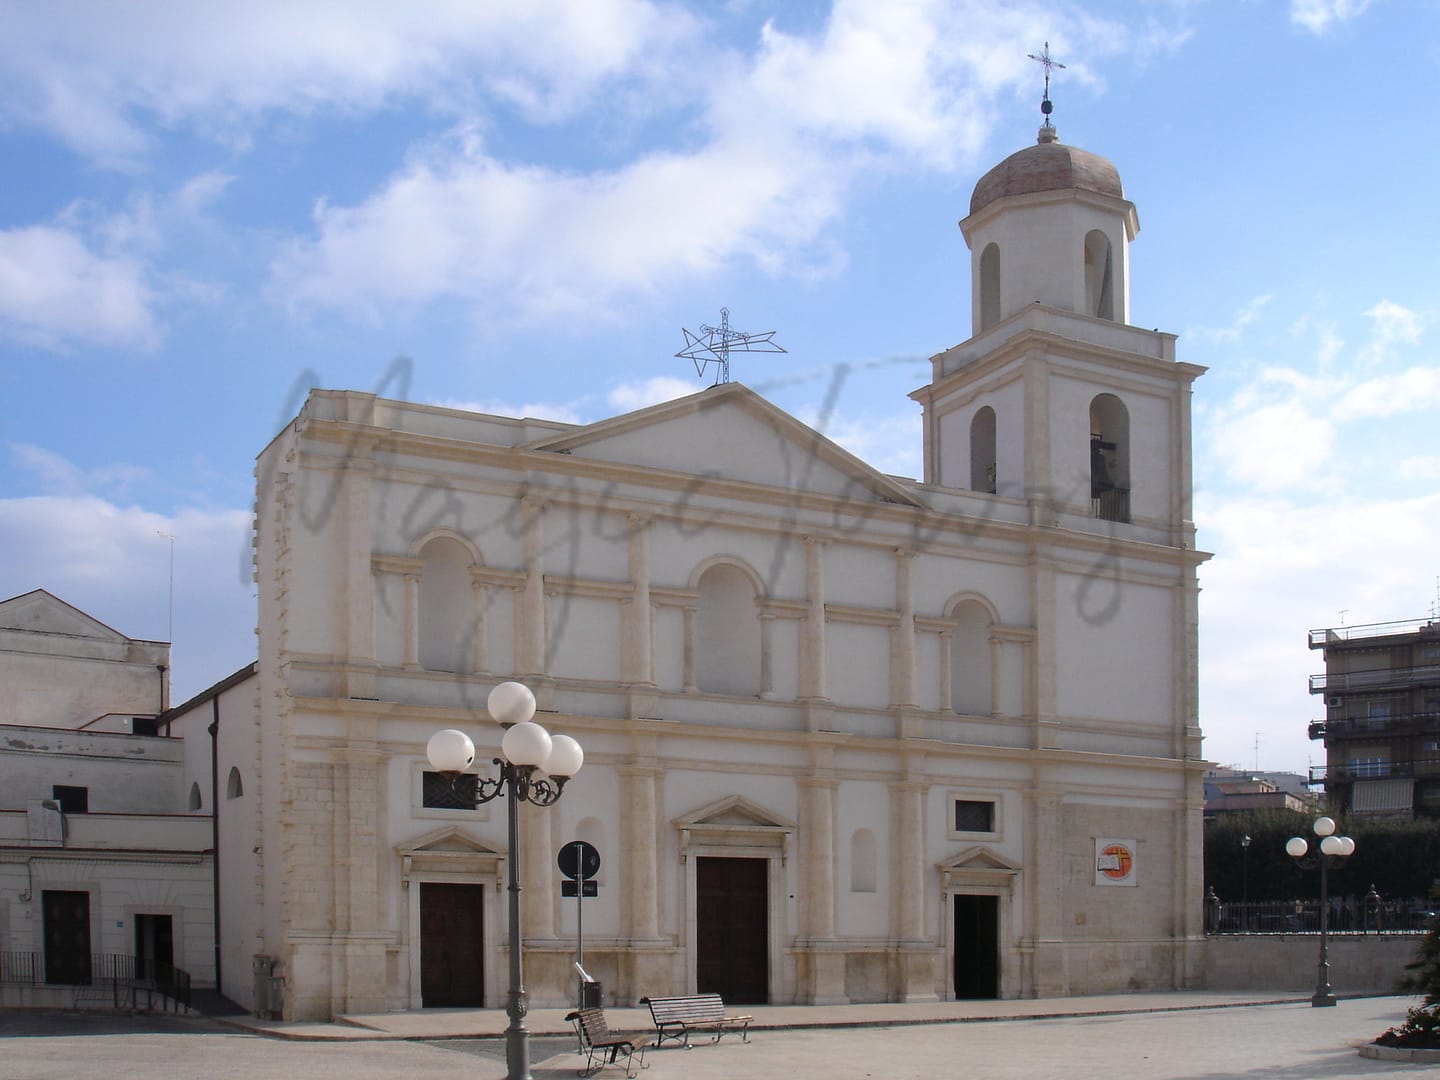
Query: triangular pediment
[731, 433]
[451, 838]
[979, 858]
[733, 812]
[41, 612]
[979, 866]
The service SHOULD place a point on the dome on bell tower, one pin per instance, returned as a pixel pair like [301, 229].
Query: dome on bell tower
[1051, 225]
[1049, 165]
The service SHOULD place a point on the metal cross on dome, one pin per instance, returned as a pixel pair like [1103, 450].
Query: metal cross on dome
[1048, 62]
[714, 344]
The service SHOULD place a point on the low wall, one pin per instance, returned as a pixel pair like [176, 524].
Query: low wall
[1359, 963]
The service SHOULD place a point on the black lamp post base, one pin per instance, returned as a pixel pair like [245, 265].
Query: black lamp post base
[1321, 1000]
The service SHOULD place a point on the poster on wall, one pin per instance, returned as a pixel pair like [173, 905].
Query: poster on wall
[1114, 861]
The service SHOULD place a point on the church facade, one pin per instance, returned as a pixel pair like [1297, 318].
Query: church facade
[848, 737]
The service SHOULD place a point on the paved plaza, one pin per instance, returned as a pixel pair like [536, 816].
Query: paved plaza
[1138, 1037]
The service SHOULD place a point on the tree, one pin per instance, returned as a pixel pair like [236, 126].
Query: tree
[1422, 1023]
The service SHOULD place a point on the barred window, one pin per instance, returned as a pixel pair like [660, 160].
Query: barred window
[447, 793]
[974, 815]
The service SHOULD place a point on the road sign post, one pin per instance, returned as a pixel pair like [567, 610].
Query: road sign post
[579, 861]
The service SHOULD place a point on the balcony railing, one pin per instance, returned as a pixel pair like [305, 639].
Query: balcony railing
[1344, 681]
[1406, 723]
[1321, 638]
[1111, 504]
[1346, 771]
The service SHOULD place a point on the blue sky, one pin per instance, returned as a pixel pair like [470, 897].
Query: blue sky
[208, 208]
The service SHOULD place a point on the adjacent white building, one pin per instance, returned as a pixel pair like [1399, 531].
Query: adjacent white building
[849, 737]
[102, 861]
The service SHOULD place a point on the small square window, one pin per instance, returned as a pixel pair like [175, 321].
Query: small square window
[974, 815]
[72, 800]
[442, 793]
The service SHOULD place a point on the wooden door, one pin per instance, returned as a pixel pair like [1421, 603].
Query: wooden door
[977, 946]
[732, 929]
[67, 937]
[452, 945]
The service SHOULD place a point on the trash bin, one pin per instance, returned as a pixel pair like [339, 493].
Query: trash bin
[591, 995]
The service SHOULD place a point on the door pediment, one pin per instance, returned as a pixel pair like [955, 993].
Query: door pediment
[734, 822]
[450, 850]
[978, 866]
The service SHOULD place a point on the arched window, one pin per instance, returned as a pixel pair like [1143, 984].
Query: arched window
[446, 607]
[970, 690]
[727, 633]
[1109, 458]
[194, 796]
[1099, 276]
[989, 286]
[982, 450]
[234, 788]
[862, 861]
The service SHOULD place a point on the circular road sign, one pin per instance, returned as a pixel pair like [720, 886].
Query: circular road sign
[578, 859]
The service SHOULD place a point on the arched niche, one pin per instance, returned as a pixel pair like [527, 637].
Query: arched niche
[863, 870]
[971, 682]
[727, 631]
[989, 286]
[447, 605]
[1099, 276]
[982, 450]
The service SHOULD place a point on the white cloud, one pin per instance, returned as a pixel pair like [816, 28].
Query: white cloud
[637, 395]
[765, 168]
[1414, 390]
[201, 192]
[55, 289]
[525, 241]
[1247, 314]
[108, 560]
[1281, 570]
[890, 443]
[1391, 325]
[1424, 467]
[1318, 16]
[96, 75]
[59, 476]
[1272, 445]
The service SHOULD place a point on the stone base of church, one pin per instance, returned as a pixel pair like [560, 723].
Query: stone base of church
[327, 976]
[915, 978]
[820, 977]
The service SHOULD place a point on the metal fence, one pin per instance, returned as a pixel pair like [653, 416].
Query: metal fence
[110, 976]
[1347, 916]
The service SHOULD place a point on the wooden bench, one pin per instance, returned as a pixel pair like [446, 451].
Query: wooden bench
[606, 1045]
[676, 1017]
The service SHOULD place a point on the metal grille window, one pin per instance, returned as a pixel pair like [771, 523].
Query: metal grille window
[444, 793]
[973, 815]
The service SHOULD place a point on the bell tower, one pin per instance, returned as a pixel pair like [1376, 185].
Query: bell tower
[1055, 400]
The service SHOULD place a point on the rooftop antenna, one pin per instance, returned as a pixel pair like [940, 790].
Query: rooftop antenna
[714, 344]
[1045, 60]
[1435, 604]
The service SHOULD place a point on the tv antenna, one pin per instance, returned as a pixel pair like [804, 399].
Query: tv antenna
[1046, 61]
[714, 344]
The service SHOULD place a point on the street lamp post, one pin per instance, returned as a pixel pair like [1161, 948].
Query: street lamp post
[534, 768]
[1245, 884]
[1333, 849]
